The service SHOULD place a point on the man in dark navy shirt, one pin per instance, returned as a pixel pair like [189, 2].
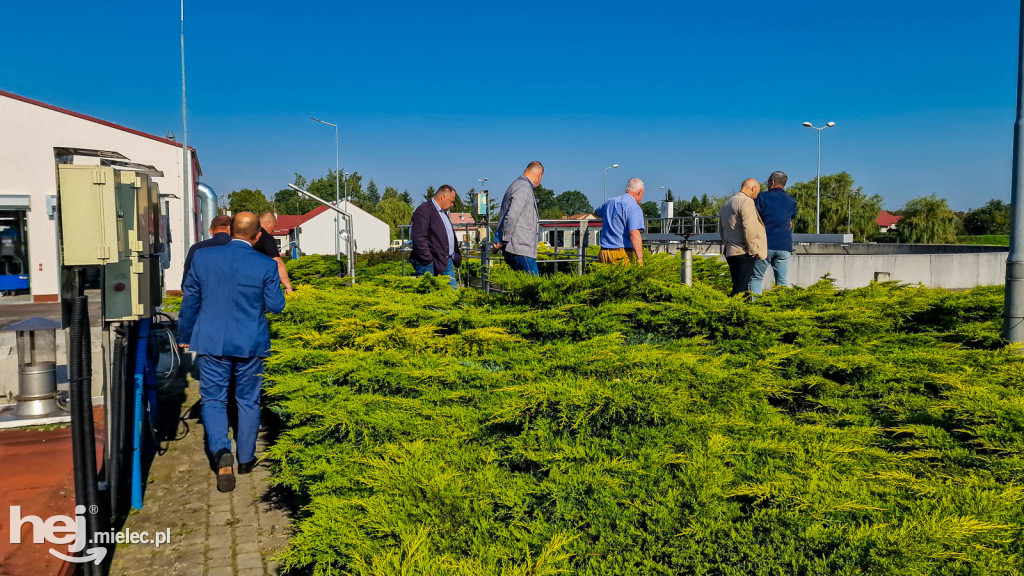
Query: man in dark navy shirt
[777, 209]
[220, 234]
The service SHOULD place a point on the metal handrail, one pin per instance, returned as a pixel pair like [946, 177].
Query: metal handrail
[680, 228]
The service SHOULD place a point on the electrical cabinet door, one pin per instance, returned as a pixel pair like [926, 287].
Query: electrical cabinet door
[121, 291]
[91, 232]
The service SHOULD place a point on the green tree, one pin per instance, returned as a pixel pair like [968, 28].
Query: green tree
[406, 197]
[372, 194]
[389, 192]
[573, 202]
[547, 206]
[927, 220]
[992, 218]
[394, 211]
[248, 200]
[429, 193]
[844, 208]
[288, 201]
[651, 209]
[668, 195]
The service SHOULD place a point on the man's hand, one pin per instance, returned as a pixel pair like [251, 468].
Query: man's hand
[288, 289]
[183, 346]
[497, 246]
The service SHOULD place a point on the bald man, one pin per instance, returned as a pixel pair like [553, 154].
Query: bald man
[227, 293]
[266, 245]
[622, 222]
[744, 240]
[517, 229]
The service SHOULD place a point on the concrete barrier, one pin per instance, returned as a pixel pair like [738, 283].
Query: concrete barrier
[953, 267]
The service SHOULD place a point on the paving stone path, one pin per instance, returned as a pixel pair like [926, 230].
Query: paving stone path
[212, 534]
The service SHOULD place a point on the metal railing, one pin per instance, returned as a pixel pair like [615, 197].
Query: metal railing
[565, 244]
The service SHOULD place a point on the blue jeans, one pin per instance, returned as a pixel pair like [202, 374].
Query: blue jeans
[522, 263]
[779, 261]
[422, 269]
[214, 377]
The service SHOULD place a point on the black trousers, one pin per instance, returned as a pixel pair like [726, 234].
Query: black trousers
[741, 268]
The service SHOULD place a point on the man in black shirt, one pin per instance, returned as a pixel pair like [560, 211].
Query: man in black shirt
[267, 246]
[220, 234]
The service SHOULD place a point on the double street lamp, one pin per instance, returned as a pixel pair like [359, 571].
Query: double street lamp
[817, 214]
[606, 180]
[337, 188]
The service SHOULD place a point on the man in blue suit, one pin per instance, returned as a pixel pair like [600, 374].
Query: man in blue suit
[227, 293]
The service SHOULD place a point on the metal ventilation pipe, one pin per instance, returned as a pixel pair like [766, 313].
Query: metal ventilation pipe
[207, 208]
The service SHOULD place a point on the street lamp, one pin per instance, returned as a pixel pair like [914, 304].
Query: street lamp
[606, 180]
[347, 174]
[817, 214]
[337, 189]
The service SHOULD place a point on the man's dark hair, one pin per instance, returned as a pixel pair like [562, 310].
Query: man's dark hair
[220, 222]
[778, 177]
[445, 188]
[534, 164]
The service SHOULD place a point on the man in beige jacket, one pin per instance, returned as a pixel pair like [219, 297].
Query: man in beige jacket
[744, 240]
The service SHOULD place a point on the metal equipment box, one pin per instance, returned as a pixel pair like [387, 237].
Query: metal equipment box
[92, 230]
[121, 290]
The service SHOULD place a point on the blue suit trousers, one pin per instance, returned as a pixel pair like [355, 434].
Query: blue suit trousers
[214, 378]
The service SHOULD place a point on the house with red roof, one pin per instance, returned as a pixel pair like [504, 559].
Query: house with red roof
[313, 232]
[887, 222]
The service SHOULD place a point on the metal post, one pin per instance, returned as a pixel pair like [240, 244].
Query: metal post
[337, 188]
[485, 248]
[1013, 309]
[337, 195]
[687, 264]
[817, 212]
[186, 164]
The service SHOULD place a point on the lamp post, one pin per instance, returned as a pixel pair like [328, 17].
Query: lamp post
[817, 213]
[347, 174]
[606, 180]
[1013, 307]
[337, 189]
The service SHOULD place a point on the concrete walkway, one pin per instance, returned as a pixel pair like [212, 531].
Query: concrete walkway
[211, 534]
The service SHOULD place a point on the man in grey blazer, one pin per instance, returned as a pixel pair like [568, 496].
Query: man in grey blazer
[516, 233]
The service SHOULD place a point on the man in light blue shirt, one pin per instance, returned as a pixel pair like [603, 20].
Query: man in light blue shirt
[622, 221]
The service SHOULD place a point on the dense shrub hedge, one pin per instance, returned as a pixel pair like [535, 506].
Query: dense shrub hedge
[620, 423]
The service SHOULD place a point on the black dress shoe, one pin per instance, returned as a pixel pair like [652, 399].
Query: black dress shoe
[225, 475]
[246, 467]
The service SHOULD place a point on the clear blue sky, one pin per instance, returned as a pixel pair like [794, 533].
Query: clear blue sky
[687, 94]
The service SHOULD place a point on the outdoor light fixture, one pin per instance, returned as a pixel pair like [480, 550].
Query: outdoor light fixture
[606, 180]
[817, 214]
[337, 186]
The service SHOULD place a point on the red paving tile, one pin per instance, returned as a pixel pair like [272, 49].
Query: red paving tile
[36, 473]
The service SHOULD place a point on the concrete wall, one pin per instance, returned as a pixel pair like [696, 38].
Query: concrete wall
[316, 235]
[855, 265]
[30, 133]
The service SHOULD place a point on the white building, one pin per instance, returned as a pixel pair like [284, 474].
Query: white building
[313, 232]
[31, 131]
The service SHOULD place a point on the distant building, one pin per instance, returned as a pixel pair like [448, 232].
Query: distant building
[887, 222]
[567, 235]
[313, 232]
[34, 135]
[466, 229]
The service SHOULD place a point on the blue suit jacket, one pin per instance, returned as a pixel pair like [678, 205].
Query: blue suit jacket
[227, 293]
